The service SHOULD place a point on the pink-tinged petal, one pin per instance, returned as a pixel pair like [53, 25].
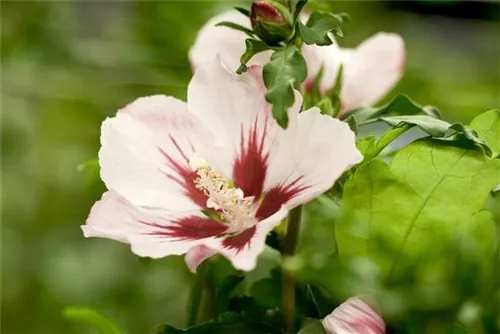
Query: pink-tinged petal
[309, 159]
[233, 106]
[145, 152]
[226, 42]
[354, 316]
[244, 248]
[345, 55]
[374, 67]
[330, 57]
[196, 256]
[151, 233]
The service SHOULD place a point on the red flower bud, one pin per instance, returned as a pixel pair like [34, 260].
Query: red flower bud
[271, 21]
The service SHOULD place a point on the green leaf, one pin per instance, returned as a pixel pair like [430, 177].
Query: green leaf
[236, 26]
[370, 147]
[317, 28]
[353, 123]
[311, 326]
[461, 135]
[431, 193]
[314, 36]
[465, 135]
[167, 329]
[433, 126]
[487, 126]
[228, 323]
[243, 11]
[400, 105]
[224, 291]
[298, 8]
[89, 316]
[253, 46]
[287, 67]
[342, 17]
[267, 292]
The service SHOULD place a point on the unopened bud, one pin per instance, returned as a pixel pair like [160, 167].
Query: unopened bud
[271, 21]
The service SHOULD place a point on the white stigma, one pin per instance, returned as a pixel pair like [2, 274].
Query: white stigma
[196, 162]
[234, 208]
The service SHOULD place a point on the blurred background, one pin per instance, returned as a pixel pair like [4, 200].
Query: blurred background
[68, 65]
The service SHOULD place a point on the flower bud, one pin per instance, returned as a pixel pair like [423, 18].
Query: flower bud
[271, 21]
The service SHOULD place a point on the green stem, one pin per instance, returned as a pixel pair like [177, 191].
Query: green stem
[288, 283]
[196, 294]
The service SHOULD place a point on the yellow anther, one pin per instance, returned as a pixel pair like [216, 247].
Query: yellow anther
[235, 209]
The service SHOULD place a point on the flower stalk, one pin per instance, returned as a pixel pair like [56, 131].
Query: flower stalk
[288, 283]
[196, 294]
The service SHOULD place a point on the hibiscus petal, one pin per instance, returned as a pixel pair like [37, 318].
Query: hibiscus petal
[244, 248]
[226, 42]
[354, 316]
[373, 68]
[233, 106]
[309, 159]
[151, 233]
[145, 151]
[196, 255]
[330, 57]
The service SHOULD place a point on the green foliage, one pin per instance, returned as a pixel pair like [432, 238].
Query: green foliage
[319, 26]
[467, 136]
[243, 11]
[91, 317]
[433, 126]
[253, 46]
[353, 123]
[314, 96]
[236, 26]
[51, 124]
[487, 126]
[416, 205]
[326, 107]
[229, 323]
[267, 292]
[459, 133]
[91, 170]
[400, 105]
[311, 326]
[299, 5]
[286, 68]
[223, 293]
[371, 147]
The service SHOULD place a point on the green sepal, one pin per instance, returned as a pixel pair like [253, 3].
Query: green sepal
[236, 26]
[243, 11]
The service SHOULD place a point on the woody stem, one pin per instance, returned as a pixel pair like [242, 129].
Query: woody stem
[288, 283]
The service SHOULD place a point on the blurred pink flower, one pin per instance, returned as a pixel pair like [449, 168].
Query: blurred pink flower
[370, 70]
[354, 316]
[215, 174]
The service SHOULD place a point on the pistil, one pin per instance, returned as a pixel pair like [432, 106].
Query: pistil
[228, 201]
